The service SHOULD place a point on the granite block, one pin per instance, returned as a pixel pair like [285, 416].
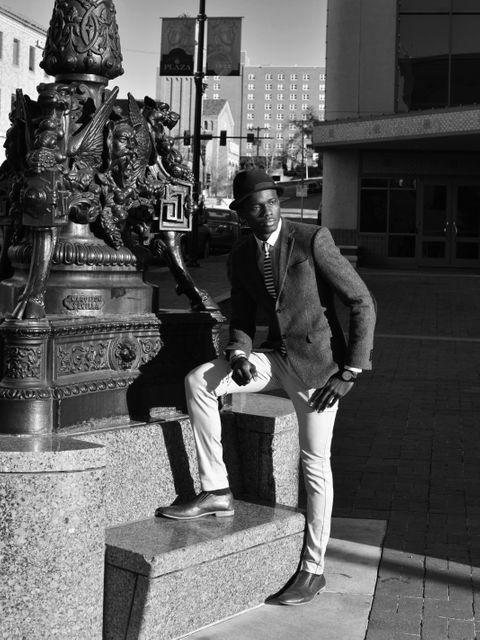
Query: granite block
[189, 574]
[268, 447]
[152, 464]
[52, 537]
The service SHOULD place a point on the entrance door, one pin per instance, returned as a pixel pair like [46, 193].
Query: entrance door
[449, 224]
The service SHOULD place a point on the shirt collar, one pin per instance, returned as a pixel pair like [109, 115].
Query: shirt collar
[272, 239]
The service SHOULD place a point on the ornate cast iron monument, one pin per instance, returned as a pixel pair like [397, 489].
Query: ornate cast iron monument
[92, 193]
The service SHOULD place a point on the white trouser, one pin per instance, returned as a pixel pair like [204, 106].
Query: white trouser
[205, 384]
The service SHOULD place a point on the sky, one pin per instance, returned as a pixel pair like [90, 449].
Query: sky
[276, 32]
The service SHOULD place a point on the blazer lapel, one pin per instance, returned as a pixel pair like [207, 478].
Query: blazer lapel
[287, 242]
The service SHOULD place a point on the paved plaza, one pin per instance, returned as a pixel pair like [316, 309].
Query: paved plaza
[406, 453]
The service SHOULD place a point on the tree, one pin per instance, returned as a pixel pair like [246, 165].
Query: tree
[297, 150]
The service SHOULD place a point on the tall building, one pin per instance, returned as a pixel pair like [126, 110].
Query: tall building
[262, 99]
[401, 137]
[21, 49]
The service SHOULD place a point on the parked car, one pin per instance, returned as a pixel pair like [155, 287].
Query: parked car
[225, 228]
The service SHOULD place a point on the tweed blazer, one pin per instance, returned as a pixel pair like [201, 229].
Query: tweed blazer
[310, 274]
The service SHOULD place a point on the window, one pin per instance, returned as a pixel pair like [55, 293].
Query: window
[280, 116]
[279, 136]
[279, 96]
[305, 87]
[250, 106]
[291, 116]
[216, 86]
[268, 96]
[266, 145]
[268, 106]
[268, 76]
[280, 86]
[268, 116]
[293, 87]
[438, 54]
[293, 96]
[306, 76]
[215, 96]
[305, 96]
[292, 107]
[322, 76]
[291, 136]
[267, 126]
[250, 116]
[216, 77]
[251, 87]
[304, 108]
[251, 96]
[281, 76]
[293, 76]
[16, 52]
[321, 87]
[278, 145]
[268, 86]
[31, 59]
[279, 126]
[280, 107]
[251, 76]
[249, 145]
[292, 127]
[388, 207]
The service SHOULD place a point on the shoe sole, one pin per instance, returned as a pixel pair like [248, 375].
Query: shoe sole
[299, 604]
[218, 514]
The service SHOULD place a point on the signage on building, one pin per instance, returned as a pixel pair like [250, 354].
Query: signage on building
[223, 46]
[177, 52]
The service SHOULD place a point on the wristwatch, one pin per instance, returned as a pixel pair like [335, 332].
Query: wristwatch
[347, 375]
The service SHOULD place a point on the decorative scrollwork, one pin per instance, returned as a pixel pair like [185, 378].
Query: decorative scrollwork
[77, 358]
[22, 362]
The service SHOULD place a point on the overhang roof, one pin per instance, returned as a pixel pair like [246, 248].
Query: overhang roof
[440, 129]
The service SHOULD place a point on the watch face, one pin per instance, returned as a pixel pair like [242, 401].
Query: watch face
[347, 375]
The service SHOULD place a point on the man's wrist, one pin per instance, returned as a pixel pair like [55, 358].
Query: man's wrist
[239, 355]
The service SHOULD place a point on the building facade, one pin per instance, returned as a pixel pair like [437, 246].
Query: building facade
[401, 136]
[21, 49]
[264, 100]
[220, 162]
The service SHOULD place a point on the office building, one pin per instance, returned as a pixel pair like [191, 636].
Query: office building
[264, 100]
[401, 137]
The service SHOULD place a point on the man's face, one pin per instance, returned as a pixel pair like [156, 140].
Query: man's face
[261, 211]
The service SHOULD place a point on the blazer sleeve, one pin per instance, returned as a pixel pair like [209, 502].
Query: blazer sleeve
[353, 292]
[243, 311]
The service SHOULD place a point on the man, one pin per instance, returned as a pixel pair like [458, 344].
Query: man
[291, 271]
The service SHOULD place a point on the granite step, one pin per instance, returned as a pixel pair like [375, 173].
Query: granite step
[167, 578]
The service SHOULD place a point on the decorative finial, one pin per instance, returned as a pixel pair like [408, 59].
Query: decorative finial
[82, 41]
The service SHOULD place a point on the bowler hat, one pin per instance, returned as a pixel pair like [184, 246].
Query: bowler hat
[250, 181]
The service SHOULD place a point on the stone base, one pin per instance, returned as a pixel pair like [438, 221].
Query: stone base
[166, 578]
[52, 538]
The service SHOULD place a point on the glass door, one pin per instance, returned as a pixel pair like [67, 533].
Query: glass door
[433, 247]
[449, 224]
[465, 225]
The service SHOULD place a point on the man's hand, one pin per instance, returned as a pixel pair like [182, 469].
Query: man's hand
[243, 371]
[328, 395]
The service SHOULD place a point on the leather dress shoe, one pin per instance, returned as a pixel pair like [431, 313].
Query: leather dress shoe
[303, 589]
[205, 504]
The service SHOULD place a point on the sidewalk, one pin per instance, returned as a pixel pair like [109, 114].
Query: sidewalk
[407, 451]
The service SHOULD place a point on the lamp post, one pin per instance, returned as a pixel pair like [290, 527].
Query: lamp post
[196, 154]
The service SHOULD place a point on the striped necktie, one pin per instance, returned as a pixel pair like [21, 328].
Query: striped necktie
[268, 272]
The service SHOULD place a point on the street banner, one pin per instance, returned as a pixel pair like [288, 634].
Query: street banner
[223, 46]
[177, 53]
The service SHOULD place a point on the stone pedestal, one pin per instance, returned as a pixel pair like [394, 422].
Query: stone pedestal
[268, 448]
[52, 538]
